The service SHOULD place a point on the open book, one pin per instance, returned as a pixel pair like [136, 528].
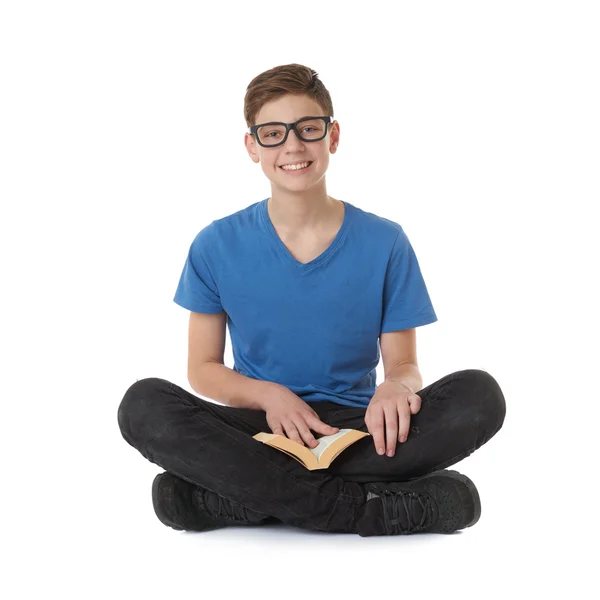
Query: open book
[319, 457]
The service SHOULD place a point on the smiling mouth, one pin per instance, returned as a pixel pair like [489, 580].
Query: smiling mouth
[310, 162]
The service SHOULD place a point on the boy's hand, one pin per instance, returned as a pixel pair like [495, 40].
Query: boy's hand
[287, 411]
[392, 403]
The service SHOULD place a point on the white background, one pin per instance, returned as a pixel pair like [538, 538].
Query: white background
[475, 125]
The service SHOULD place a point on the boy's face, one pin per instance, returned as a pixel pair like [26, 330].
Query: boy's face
[288, 109]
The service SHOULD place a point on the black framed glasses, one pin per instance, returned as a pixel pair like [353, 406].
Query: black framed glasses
[308, 129]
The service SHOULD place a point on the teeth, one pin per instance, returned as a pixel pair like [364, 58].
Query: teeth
[295, 167]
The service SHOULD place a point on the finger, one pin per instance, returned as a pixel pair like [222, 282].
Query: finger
[305, 432]
[391, 428]
[376, 429]
[292, 432]
[404, 414]
[317, 425]
[415, 403]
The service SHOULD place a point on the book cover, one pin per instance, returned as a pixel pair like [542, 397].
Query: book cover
[319, 457]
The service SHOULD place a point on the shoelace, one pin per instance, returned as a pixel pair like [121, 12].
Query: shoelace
[392, 515]
[224, 508]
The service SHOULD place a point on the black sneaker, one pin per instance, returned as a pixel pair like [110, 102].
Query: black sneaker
[441, 502]
[184, 506]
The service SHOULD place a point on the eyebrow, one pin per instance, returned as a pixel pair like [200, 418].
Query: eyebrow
[300, 119]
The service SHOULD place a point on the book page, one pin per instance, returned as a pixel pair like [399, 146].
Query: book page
[326, 441]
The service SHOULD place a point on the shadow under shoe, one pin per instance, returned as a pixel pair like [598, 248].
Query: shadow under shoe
[442, 502]
[182, 505]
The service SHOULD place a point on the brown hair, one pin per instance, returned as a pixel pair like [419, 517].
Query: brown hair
[285, 79]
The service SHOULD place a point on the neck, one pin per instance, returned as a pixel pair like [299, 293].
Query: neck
[302, 212]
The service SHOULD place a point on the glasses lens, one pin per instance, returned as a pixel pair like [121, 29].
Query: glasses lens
[269, 135]
[310, 129]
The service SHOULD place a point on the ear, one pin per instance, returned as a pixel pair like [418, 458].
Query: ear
[334, 137]
[250, 144]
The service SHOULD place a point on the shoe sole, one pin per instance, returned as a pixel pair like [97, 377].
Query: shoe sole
[474, 494]
[156, 489]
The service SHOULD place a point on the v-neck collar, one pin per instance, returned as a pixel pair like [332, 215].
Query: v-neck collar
[270, 228]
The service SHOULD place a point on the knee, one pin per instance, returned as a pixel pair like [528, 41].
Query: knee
[135, 409]
[488, 399]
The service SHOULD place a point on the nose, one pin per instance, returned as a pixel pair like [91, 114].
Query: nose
[293, 141]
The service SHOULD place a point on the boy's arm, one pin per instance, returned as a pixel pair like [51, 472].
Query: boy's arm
[218, 382]
[208, 376]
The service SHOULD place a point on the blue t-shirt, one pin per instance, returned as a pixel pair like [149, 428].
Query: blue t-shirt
[313, 328]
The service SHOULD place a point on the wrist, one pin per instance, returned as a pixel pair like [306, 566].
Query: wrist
[271, 391]
[401, 384]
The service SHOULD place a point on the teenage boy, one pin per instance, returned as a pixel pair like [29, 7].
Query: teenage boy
[311, 288]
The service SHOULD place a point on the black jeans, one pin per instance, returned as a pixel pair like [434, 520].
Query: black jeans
[211, 445]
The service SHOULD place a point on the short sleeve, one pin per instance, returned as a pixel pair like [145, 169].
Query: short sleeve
[197, 289]
[406, 301]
